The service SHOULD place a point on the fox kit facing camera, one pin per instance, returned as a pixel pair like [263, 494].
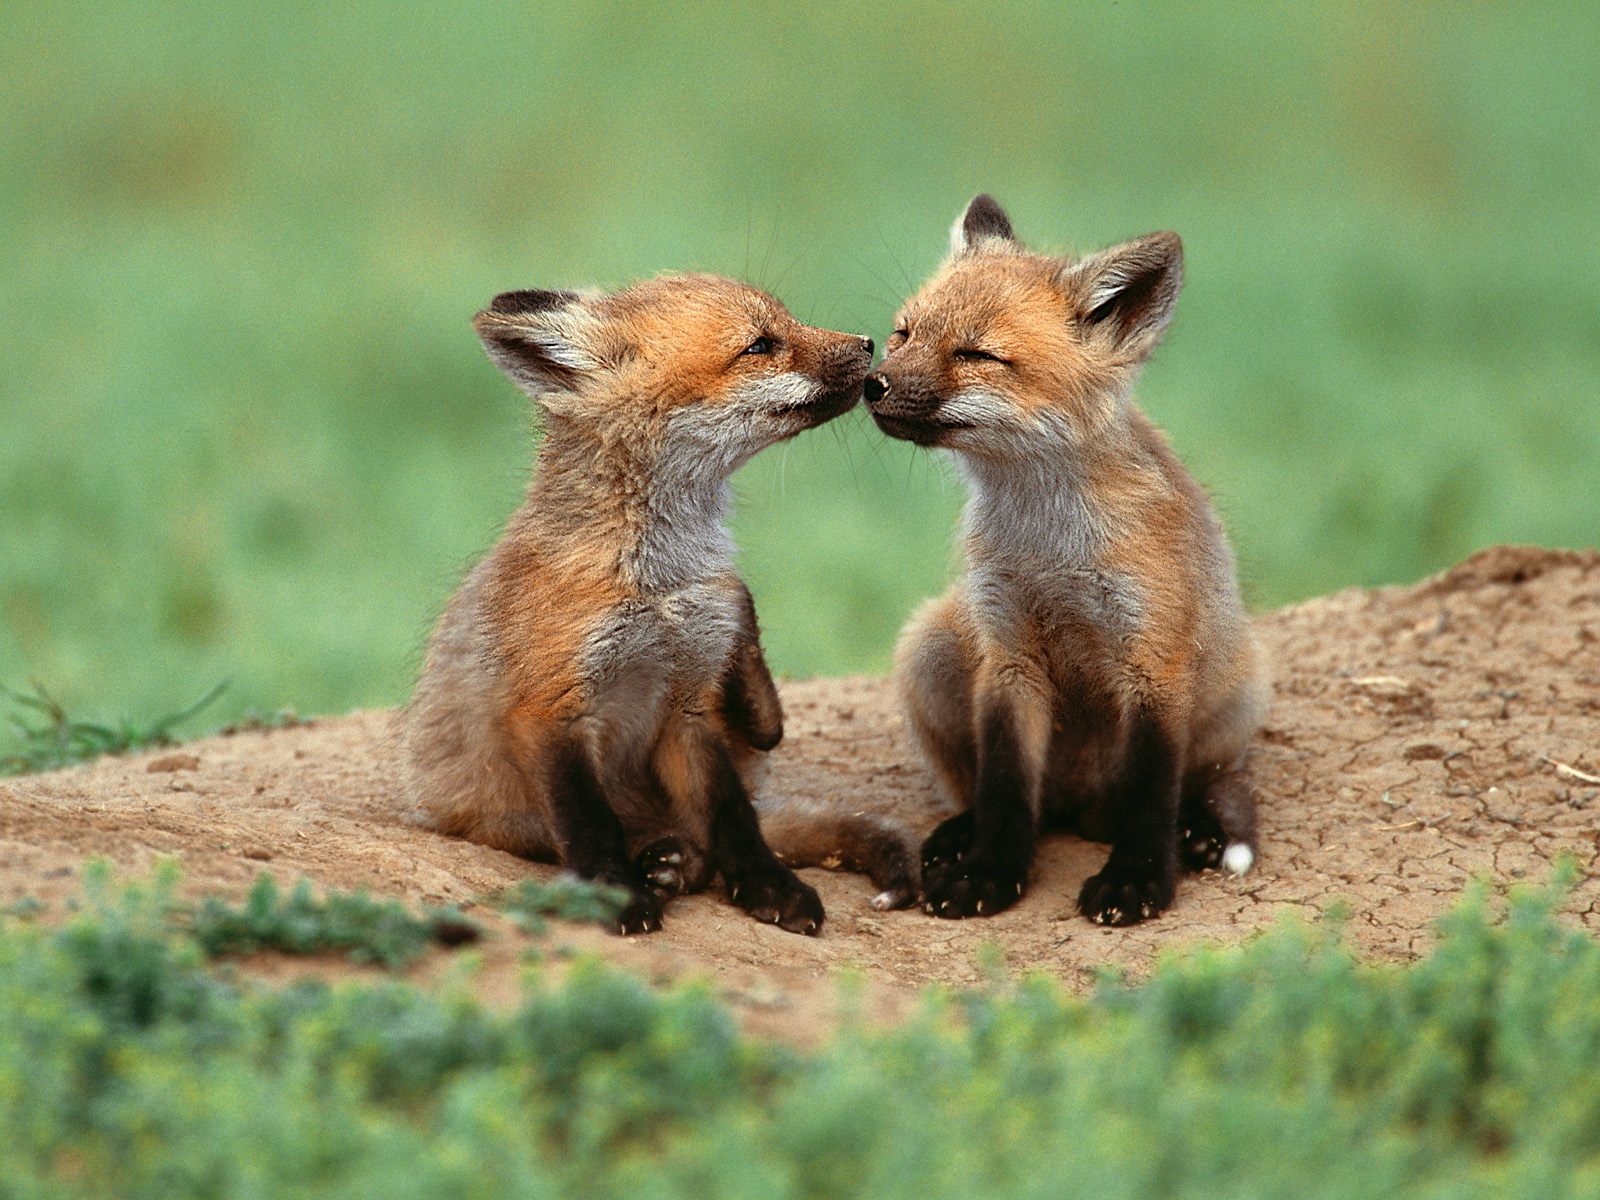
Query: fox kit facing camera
[596, 686]
[1094, 668]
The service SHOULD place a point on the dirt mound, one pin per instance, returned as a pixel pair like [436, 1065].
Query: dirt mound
[1418, 736]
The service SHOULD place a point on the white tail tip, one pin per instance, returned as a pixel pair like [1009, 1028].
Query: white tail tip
[1238, 858]
[884, 901]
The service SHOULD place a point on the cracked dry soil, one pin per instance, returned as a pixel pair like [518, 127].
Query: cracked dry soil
[1419, 736]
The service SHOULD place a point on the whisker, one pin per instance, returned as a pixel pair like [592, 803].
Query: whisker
[893, 257]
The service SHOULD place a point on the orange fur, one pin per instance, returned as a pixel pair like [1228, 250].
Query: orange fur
[1100, 616]
[572, 702]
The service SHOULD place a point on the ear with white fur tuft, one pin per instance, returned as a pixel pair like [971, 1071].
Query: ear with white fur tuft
[537, 338]
[981, 220]
[1127, 293]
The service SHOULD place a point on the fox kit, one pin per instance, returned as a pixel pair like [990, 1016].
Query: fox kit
[595, 688]
[1095, 667]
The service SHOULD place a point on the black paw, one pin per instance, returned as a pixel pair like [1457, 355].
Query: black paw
[972, 889]
[672, 867]
[948, 844]
[1126, 895]
[641, 914]
[778, 897]
[1202, 842]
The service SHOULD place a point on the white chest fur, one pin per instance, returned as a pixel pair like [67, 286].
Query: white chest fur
[671, 645]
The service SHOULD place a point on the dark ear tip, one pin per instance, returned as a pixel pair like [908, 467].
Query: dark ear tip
[530, 301]
[985, 218]
[1169, 243]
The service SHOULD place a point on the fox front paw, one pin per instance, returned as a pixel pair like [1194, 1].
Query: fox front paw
[972, 889]
[948, 844]
[780, 898]
[641, 914]
[1123, 894]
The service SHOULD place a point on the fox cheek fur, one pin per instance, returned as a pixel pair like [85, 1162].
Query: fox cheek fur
[1094, 668]
[596, 687]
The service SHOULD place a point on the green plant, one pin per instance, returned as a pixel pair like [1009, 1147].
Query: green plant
[367, 930]
[532, 902]
[49, 738]
[1282, 1067]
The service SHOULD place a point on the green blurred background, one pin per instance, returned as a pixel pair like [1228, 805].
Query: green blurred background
[246, 432]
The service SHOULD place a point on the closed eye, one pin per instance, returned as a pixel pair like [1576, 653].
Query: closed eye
[972, 354]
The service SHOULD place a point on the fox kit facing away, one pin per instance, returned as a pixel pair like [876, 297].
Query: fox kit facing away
[596, 686]
[1094, 668]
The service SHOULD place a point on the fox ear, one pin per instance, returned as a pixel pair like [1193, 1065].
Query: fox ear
[538, 338]
[1127, 293]
[981, 219]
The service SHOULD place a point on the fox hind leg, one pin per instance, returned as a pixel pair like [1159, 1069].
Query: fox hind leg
[1218, 821]
[757, 882]
[674, 866]
[697, 763]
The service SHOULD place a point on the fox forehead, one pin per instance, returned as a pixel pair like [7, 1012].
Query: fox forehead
[693, 312]
[1014, 298]
[680, 339]
[1015, 305]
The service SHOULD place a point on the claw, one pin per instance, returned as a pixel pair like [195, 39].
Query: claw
[980, 907]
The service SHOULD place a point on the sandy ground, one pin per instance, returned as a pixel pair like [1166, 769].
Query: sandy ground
[1419, 736]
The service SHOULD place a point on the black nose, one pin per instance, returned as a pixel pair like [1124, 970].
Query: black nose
[866, 344]
[876, 387]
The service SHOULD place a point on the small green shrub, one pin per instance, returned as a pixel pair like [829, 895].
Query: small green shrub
[255, 721]
[368, 930]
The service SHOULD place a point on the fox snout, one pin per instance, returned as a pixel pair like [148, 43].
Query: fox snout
[855, 359]
[840, 368]
[849, 362]
[910, 394]
[907, 405]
